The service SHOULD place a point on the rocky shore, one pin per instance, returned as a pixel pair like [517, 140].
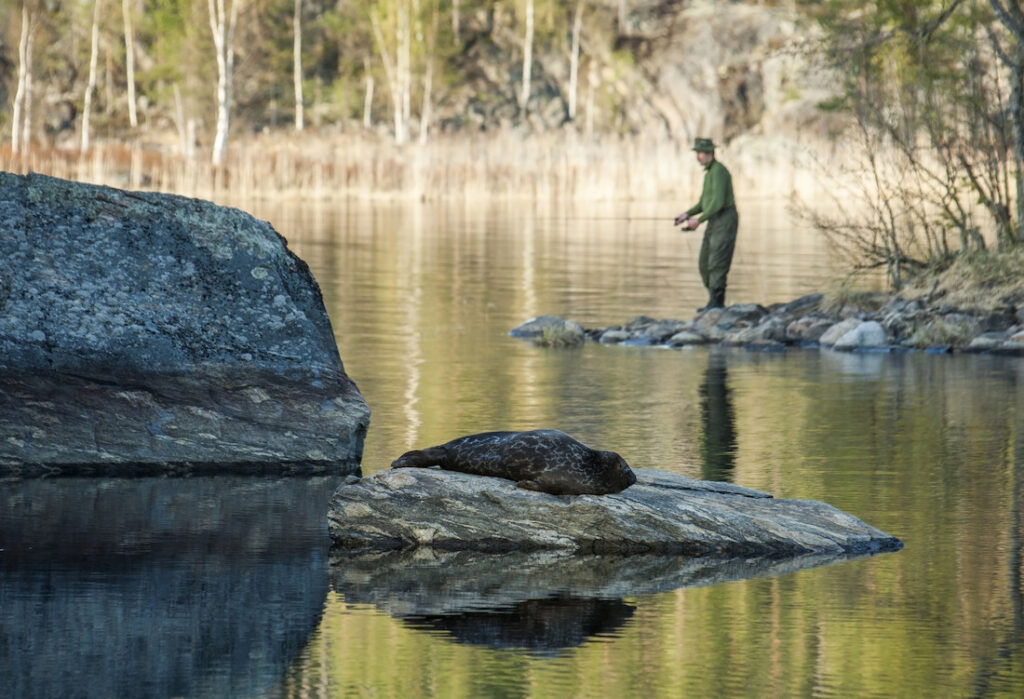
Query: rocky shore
[877, 323]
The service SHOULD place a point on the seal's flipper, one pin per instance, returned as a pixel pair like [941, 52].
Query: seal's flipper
[420, 458]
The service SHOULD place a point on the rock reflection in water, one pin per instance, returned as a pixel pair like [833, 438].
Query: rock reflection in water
[158, 587]
[540, 601]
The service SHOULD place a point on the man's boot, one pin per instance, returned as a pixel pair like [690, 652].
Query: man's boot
[717, 298]
[710, 303]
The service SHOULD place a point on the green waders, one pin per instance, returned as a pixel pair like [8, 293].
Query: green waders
[716, 254]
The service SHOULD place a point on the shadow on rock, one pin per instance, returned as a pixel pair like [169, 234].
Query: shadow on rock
[159, 586]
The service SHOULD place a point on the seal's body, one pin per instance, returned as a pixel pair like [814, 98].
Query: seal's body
[545, 460]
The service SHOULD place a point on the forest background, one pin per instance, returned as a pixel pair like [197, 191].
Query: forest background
[896, 127]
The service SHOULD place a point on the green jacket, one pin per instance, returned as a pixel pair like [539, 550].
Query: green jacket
[717, 193]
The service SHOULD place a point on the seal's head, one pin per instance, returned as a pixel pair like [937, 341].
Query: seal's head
[619, 475]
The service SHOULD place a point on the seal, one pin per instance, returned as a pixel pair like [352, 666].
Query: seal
[548, 461]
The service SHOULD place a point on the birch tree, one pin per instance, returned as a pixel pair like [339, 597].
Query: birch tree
[90, 87]
[397, 68]
[456, 21]
[524, 96]
[222, 25]
[297, 64]
[574, 58]
[22, 113]
[368, 96]
[428, 76]
[129, 52]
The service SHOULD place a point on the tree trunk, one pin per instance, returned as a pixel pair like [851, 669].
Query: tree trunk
[397, 70]
[1012, 18]
[574, 58]
[428, 77]
[368, 98]
[404, 41]
[299, 116]
[222, 24]
[592, 82]
[24, 71]
[456, 21]
[179, 118]
[90, 88]
[26, 125]
[1017, 116]
[524, 97]
[129, 52]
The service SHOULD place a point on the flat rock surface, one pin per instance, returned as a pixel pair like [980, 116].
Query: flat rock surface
[145, 331]
[661, 513]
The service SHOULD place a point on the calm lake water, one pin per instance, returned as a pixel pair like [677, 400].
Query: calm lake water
[217, 587]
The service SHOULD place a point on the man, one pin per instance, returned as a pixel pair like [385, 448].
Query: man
[717, 206]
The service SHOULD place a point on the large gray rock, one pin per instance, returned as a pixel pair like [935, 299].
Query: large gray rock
[144, 332]
[661, 513]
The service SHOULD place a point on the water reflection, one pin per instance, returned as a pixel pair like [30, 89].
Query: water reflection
[540, 601]
[718, 420]
[541, 627]
[158, 587]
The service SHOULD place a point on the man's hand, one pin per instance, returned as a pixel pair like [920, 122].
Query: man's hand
[692, 222]
[680, 219]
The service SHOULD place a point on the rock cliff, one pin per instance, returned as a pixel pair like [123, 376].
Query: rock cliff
[141, 332]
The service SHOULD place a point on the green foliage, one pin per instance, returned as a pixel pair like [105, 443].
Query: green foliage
[563, 336]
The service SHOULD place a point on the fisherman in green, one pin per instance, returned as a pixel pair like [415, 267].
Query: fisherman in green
[717, 206]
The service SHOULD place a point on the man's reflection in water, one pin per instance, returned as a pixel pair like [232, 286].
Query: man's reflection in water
[718, 439]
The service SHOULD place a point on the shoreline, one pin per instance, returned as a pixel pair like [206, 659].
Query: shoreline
[880, 323]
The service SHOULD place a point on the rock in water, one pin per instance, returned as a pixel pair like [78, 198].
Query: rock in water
[144, 332]
[662, 513]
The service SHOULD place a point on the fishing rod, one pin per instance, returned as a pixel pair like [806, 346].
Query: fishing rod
[602, 218]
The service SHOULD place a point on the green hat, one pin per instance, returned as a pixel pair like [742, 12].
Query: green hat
[703, 145]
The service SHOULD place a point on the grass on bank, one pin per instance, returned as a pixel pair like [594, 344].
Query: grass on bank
[986, 280]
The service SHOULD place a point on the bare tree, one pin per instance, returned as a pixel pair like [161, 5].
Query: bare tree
[297, 51]
[1012, 18]
[90, 87]
[222, 24]
[129, 52]
[524, 97]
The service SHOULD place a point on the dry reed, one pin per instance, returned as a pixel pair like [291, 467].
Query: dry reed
[562, 167]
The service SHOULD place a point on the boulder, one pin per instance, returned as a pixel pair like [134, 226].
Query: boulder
[834, 333]
[662, 513]
[550, 330]
[149, 333]
[868, 334]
